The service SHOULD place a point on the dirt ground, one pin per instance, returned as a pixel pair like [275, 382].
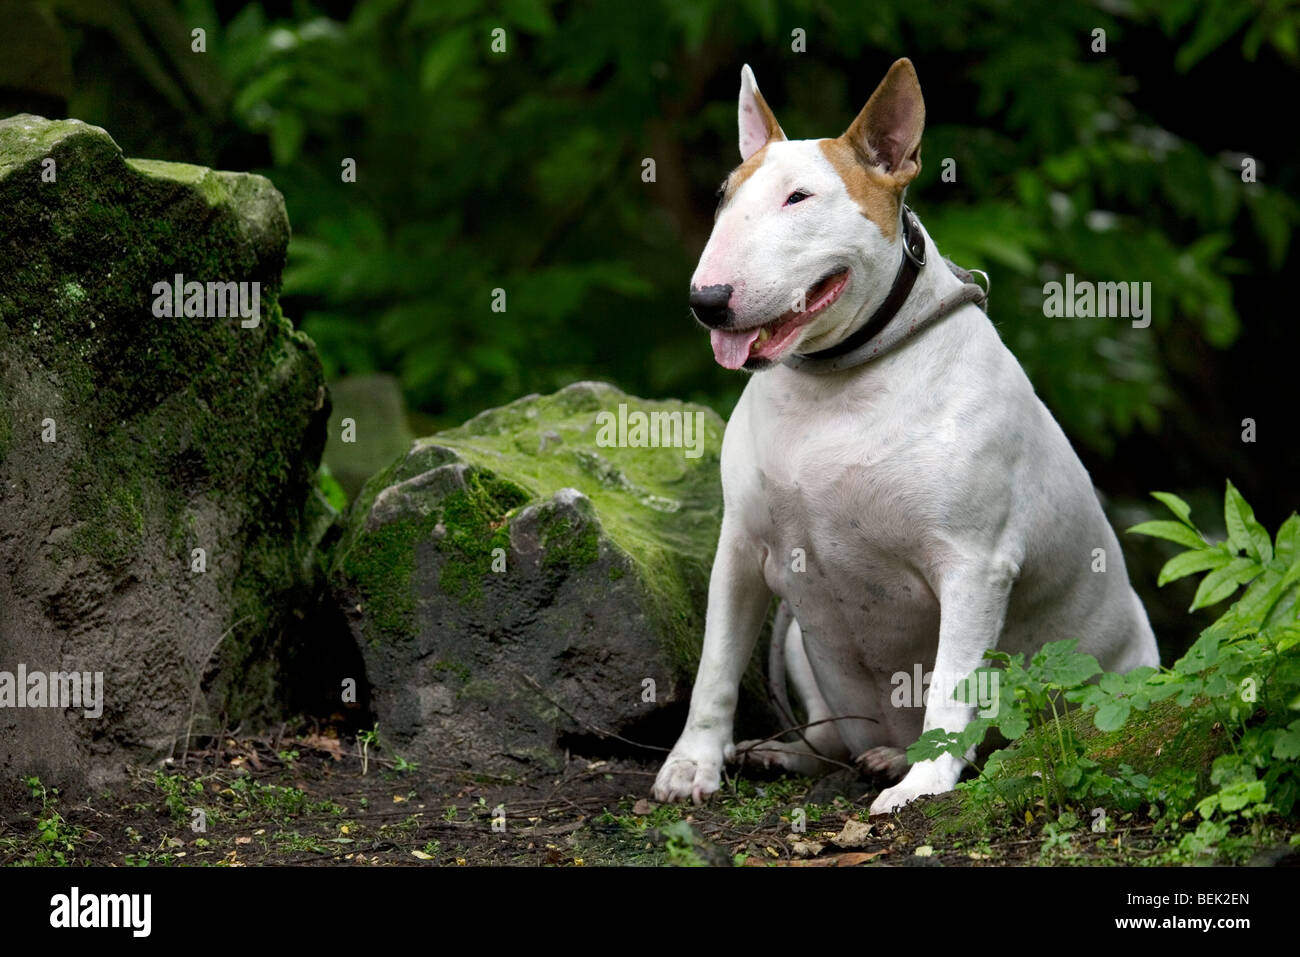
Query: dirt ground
[314, 799]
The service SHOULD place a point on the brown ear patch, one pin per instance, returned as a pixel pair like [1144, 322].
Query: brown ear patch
[876, 194]
[741, 173]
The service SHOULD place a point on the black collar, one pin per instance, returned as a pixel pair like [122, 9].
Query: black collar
[904, 280]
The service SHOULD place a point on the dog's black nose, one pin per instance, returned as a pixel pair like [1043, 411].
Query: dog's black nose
[710, 305]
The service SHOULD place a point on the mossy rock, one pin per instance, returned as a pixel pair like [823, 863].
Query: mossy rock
[514, 582]
[168, 435]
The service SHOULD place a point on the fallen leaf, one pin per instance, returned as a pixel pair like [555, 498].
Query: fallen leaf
[642, 808]
[319, 742]
[398, 799]
[859, 857]
[851, 859]
[806, 848]
[242, 840]
[925, 850]
[422, 856]
[854, 834]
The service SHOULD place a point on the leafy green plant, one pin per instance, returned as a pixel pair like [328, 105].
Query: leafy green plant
[401, 764]
[54, 840]
[175, 789]
[253, 798]
[679, 843]
[366, 739]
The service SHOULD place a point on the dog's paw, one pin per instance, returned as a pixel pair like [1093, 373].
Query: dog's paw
[691, 772]
[883, 760]
[771, 755]
[926, 777]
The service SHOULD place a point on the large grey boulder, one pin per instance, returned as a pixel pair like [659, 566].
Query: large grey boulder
[129, 440]
[525, 582]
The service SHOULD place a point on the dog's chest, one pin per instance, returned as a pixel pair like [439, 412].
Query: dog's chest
[831, 494]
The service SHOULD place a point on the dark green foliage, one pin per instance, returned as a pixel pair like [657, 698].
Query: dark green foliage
[522, 170]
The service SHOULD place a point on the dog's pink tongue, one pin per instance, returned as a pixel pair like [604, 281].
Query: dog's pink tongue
[731, 349]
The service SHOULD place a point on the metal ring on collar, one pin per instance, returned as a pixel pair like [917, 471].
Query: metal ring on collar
[913, 240]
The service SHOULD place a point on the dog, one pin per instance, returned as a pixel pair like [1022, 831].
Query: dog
[888, 473]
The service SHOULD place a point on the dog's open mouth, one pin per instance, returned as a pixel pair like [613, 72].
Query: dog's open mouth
[732, 348]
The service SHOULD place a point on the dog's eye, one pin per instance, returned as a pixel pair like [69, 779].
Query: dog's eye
[798, 196]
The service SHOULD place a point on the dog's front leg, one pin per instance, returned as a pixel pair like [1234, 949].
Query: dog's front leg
[738, 600]
[972, 608]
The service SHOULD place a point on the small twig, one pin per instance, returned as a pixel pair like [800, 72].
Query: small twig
[198, 681]
[802, 727]
[600, 732]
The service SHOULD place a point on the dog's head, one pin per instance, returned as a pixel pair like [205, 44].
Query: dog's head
[807, 231]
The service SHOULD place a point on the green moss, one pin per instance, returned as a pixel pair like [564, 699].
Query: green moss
[381, 562]
[205, 180]
[380, 565]
[568, 547]
[454, 669]
[331, 489]
[474, 518]
[114, 527]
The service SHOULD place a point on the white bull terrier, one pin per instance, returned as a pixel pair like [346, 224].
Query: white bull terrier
[890, 475]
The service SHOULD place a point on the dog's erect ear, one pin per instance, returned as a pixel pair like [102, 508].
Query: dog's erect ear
[758, 125]
[887, 133]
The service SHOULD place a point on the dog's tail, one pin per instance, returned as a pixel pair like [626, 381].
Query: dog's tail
[776, 671]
